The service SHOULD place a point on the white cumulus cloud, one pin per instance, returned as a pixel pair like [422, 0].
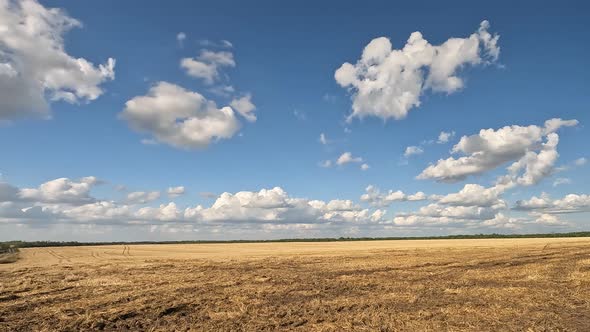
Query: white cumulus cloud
[388, 82]
[206, 65]
[175, 191]
[444, 137]
[413, 150]
[69, 202]
[142, 197]
[492, 148]
[245, 107]
[62, 191]
[347, 158]
[178, 117]
[35, 68]
[571, 203]
[475, 195]
[375, 197]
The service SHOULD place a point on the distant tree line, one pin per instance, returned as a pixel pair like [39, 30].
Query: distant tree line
[5, 246]
[8, 247]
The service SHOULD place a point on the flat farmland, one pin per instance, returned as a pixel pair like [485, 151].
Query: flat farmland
[404, 285]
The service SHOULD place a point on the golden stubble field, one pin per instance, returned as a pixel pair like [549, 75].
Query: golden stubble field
[431, 285]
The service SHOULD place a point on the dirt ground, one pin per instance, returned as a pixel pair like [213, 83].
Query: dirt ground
[430, 285]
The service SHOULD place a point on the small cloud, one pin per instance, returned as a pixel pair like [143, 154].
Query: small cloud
[120, 188]
[175, 191]
[403, 162]
[300, 115]
[576, 163]
[180, 37]
[207, 65]
[245, 107]
[206, 43]
[208, 195]
[223, 90]
[427, 142]
[550, 220]
[560, 181]
[142, 197]
[216, 44]
[329, 98]
[149, 141]
[323, 139]
[347, 158]
[444, 137]
[413, 150]
[226, 43]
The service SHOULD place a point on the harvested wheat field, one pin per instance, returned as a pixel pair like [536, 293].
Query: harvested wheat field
[430, 285]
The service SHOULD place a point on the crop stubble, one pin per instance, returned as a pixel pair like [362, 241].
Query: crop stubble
[475, 285]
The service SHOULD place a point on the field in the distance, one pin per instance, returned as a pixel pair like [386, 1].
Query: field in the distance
[475, 285]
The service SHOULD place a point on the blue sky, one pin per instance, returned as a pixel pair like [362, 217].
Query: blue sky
[284, 59]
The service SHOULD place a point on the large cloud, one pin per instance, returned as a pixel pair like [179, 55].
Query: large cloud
[440, 215]
[68, 201]
[570, 203]
[388, 83]
[181, 118]
[61, 191]
[65, 201]
[8, 192]
[16, 212]
[474, 205]
[275, 205]
[478, 206]
[45, 203]
[34, 66]
[492, 148]
[101, 211]
[186, 119]
[475, 195]
[165, 212]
